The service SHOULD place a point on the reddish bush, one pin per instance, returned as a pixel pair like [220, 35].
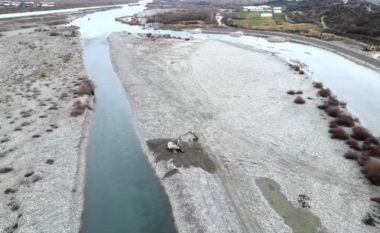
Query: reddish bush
[299, 100]
[323, 106]
[86, 88]
[368, 220]
[301, 72]
[78, 108]
[363, 159]
[367, 145]
[333, 111]
[375, 199]
[374, 152]
[345, 120]
[353, 144]
[338, 133]
[360, 133]
[371, 169]
[373, 140]
[291, 92]
[332, 101]
[333, 124]
[354, 155]
[324, 92]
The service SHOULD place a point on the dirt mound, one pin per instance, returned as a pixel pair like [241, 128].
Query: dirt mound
[193, 155]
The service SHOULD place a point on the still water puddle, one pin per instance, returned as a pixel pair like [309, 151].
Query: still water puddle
[299, 220]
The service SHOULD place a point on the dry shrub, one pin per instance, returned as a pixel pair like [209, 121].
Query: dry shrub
[78, 108]
[323, 106]
[318, 85]
[360, 133]
[374, 152]
[86, 88]
[333, 124]
[368, 220]
[301, 72]
[375, 199]
[354, 155]
[371, 170]
[353, 144]
[338, 133]
[367, 145]
[345, 120]
[299, 100]
[332, 101]
[149, 35]
[374, 140]
[333, 111]
[291, 92]
[324, 92]
[299, 92]
[363, 159]
[296, 68]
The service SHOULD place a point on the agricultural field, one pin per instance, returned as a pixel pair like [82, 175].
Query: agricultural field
[249, 14]
[249, 19]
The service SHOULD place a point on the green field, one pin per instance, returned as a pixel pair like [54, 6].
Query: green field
[249, 14]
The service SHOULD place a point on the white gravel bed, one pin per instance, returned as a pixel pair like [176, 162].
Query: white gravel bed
[235, 98]
[45, 147]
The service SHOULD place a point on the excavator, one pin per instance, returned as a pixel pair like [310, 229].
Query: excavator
[177, 145]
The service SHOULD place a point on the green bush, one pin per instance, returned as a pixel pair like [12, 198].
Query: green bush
[318, 85]
[42, 75]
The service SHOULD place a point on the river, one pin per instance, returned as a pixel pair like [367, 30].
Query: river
[122, 194]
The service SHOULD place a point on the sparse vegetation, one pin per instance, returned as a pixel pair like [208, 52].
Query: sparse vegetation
[360, 133]
[353, 155]
[86, 88]
[333, 124]
[42, 75]
[291, 92]
[318, 85]
[371, 170]
[324, 92]
[323, 106]
[333, 111]
[368, 220]
[353, 144]
[338, 133]
[345, 120]
[78, 108]
[299, 100]
[6, 170]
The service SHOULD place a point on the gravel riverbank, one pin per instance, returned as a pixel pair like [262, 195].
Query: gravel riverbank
[340, 49]
[42, 149]
[234, 97]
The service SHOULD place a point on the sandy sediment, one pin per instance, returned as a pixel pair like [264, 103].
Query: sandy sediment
[42, 148]
[234, 98]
